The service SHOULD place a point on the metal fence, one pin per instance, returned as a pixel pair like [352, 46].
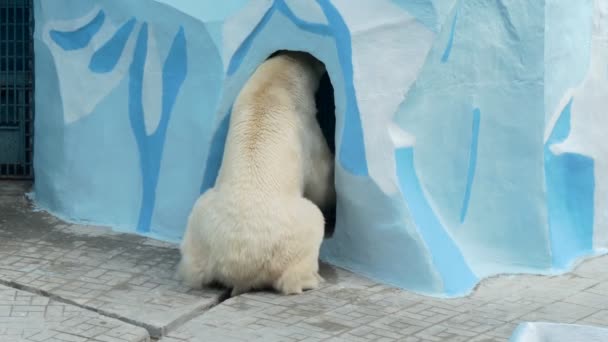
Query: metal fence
[16, 88]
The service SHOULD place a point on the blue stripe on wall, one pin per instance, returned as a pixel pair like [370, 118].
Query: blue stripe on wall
[446, 256]
[448, 48]
[241, 52]
[352, 147]
[319, 29]
[151, 147]
[472, 164]
[216, 153]
[175, 71]
[105, 59]
[80, 38]
[570, 181]
[136, 117]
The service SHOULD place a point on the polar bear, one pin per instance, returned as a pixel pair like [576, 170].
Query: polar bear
[261, 224]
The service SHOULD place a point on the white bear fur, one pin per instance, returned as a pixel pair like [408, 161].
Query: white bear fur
[260, 225]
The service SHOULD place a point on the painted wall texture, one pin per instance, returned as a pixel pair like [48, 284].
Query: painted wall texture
[469, 133]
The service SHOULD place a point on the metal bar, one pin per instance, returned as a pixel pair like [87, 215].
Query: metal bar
[31, 79]
[30, 91]
[16, 88]
[2, 64]
[19, 86]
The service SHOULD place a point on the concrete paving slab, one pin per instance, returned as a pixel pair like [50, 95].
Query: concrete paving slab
[26, 317]
[119, 275]
[352, 308]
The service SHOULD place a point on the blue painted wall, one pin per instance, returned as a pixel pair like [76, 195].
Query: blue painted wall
[469, 181]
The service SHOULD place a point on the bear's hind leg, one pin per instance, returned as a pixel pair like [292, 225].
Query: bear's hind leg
[302, 273]
[193, 276]
[196, 267]
[311, 282]
[300, 277]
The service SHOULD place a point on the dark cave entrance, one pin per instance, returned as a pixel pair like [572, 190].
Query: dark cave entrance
[326, 116]
[326, 111]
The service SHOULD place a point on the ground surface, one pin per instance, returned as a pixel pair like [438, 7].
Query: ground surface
[64, 282]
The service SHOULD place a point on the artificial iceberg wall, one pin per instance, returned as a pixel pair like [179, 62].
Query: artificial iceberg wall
[468, 133]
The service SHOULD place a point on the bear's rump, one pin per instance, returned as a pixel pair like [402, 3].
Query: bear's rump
[257, 246]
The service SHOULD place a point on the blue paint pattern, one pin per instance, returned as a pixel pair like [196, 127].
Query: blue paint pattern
[472, 164]
[241, 52]
[216, 153]
[448, 48]
[319, 29]
[352, 149]
[446, 256]
[80, 38]
[570, 183]
[106, 58]
[151, 146]
[174, 74]
[136, 117]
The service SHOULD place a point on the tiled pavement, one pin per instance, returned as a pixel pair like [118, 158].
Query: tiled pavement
[104, 274]
[28, 317]
[351, 308]
[122, 276]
